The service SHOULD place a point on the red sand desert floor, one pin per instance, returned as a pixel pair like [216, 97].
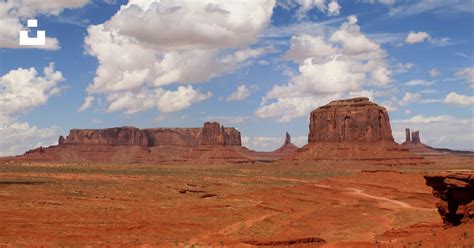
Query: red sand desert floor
[323, 204]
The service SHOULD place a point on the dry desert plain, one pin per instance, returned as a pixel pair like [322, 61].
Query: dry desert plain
[319, 204]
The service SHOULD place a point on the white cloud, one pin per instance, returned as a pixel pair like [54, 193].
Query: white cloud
[468, 74]
[240, 94]
[388, 2]
[416, 82]
[404, 67]
[417, 37]
[87, 103]
[14, 13]
[18, 137]
[407, 8]
[23, 89]
[328, 69]
[438, 131]
[334, 8]
[410, 97]
[458, 99]
[137, 51]
[331, 8]
[434, 73]
[164, 100]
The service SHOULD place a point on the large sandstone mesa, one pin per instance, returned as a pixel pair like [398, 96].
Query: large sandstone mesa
[456, 193]
[212, 143]
[352, 120]
[353, 130]
[211, 134]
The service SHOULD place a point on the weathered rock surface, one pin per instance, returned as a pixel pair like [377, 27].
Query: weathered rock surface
[353, 130]
[109, 136]
[287, 147]
[351, 120]
[456, 193]
[130, 144]
[210, 134]
[413, 144]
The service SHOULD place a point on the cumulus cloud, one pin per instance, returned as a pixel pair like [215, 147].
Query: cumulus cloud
[14, 14]
[334, 8]
[468, 74]
[403, 67]
[331, 8]
[18, 137]
[138, 52]
[165, 100]
[417, 37]
[438, 130]
[458, 99]
[434, 73]
[240, 94]
[23, 89]
[410, 97]
[329, 68]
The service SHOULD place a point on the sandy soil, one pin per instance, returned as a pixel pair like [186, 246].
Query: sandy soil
[322, 204]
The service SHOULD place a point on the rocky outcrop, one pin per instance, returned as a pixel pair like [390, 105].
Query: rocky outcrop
[456, 193]
[353, 130]
[351, 120]
[211, 134]
[110, 136]
[413, 144]
[287, 147]
[212, 143]
[415, 137]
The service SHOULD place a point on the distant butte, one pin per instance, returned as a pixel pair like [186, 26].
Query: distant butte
[353, 129]
[348, 130]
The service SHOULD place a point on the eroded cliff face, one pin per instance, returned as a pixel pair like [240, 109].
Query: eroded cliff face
[110, 136]
[456, 194]
[211, 144]
[351, 120]
[211, 134]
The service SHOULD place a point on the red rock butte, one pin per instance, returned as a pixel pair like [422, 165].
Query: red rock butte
[353, 129]
[352, 120]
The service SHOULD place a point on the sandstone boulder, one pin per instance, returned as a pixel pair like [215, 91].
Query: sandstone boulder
[351, 120]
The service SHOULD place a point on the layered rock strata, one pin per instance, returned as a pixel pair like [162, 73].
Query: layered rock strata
[353, 130]
[456, 194]
[351, 120]
[130, 144]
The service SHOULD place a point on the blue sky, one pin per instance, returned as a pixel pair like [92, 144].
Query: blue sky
[260, 67]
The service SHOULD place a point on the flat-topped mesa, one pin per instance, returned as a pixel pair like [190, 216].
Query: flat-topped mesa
[210, 134]
[351, 120]
[110, 136]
